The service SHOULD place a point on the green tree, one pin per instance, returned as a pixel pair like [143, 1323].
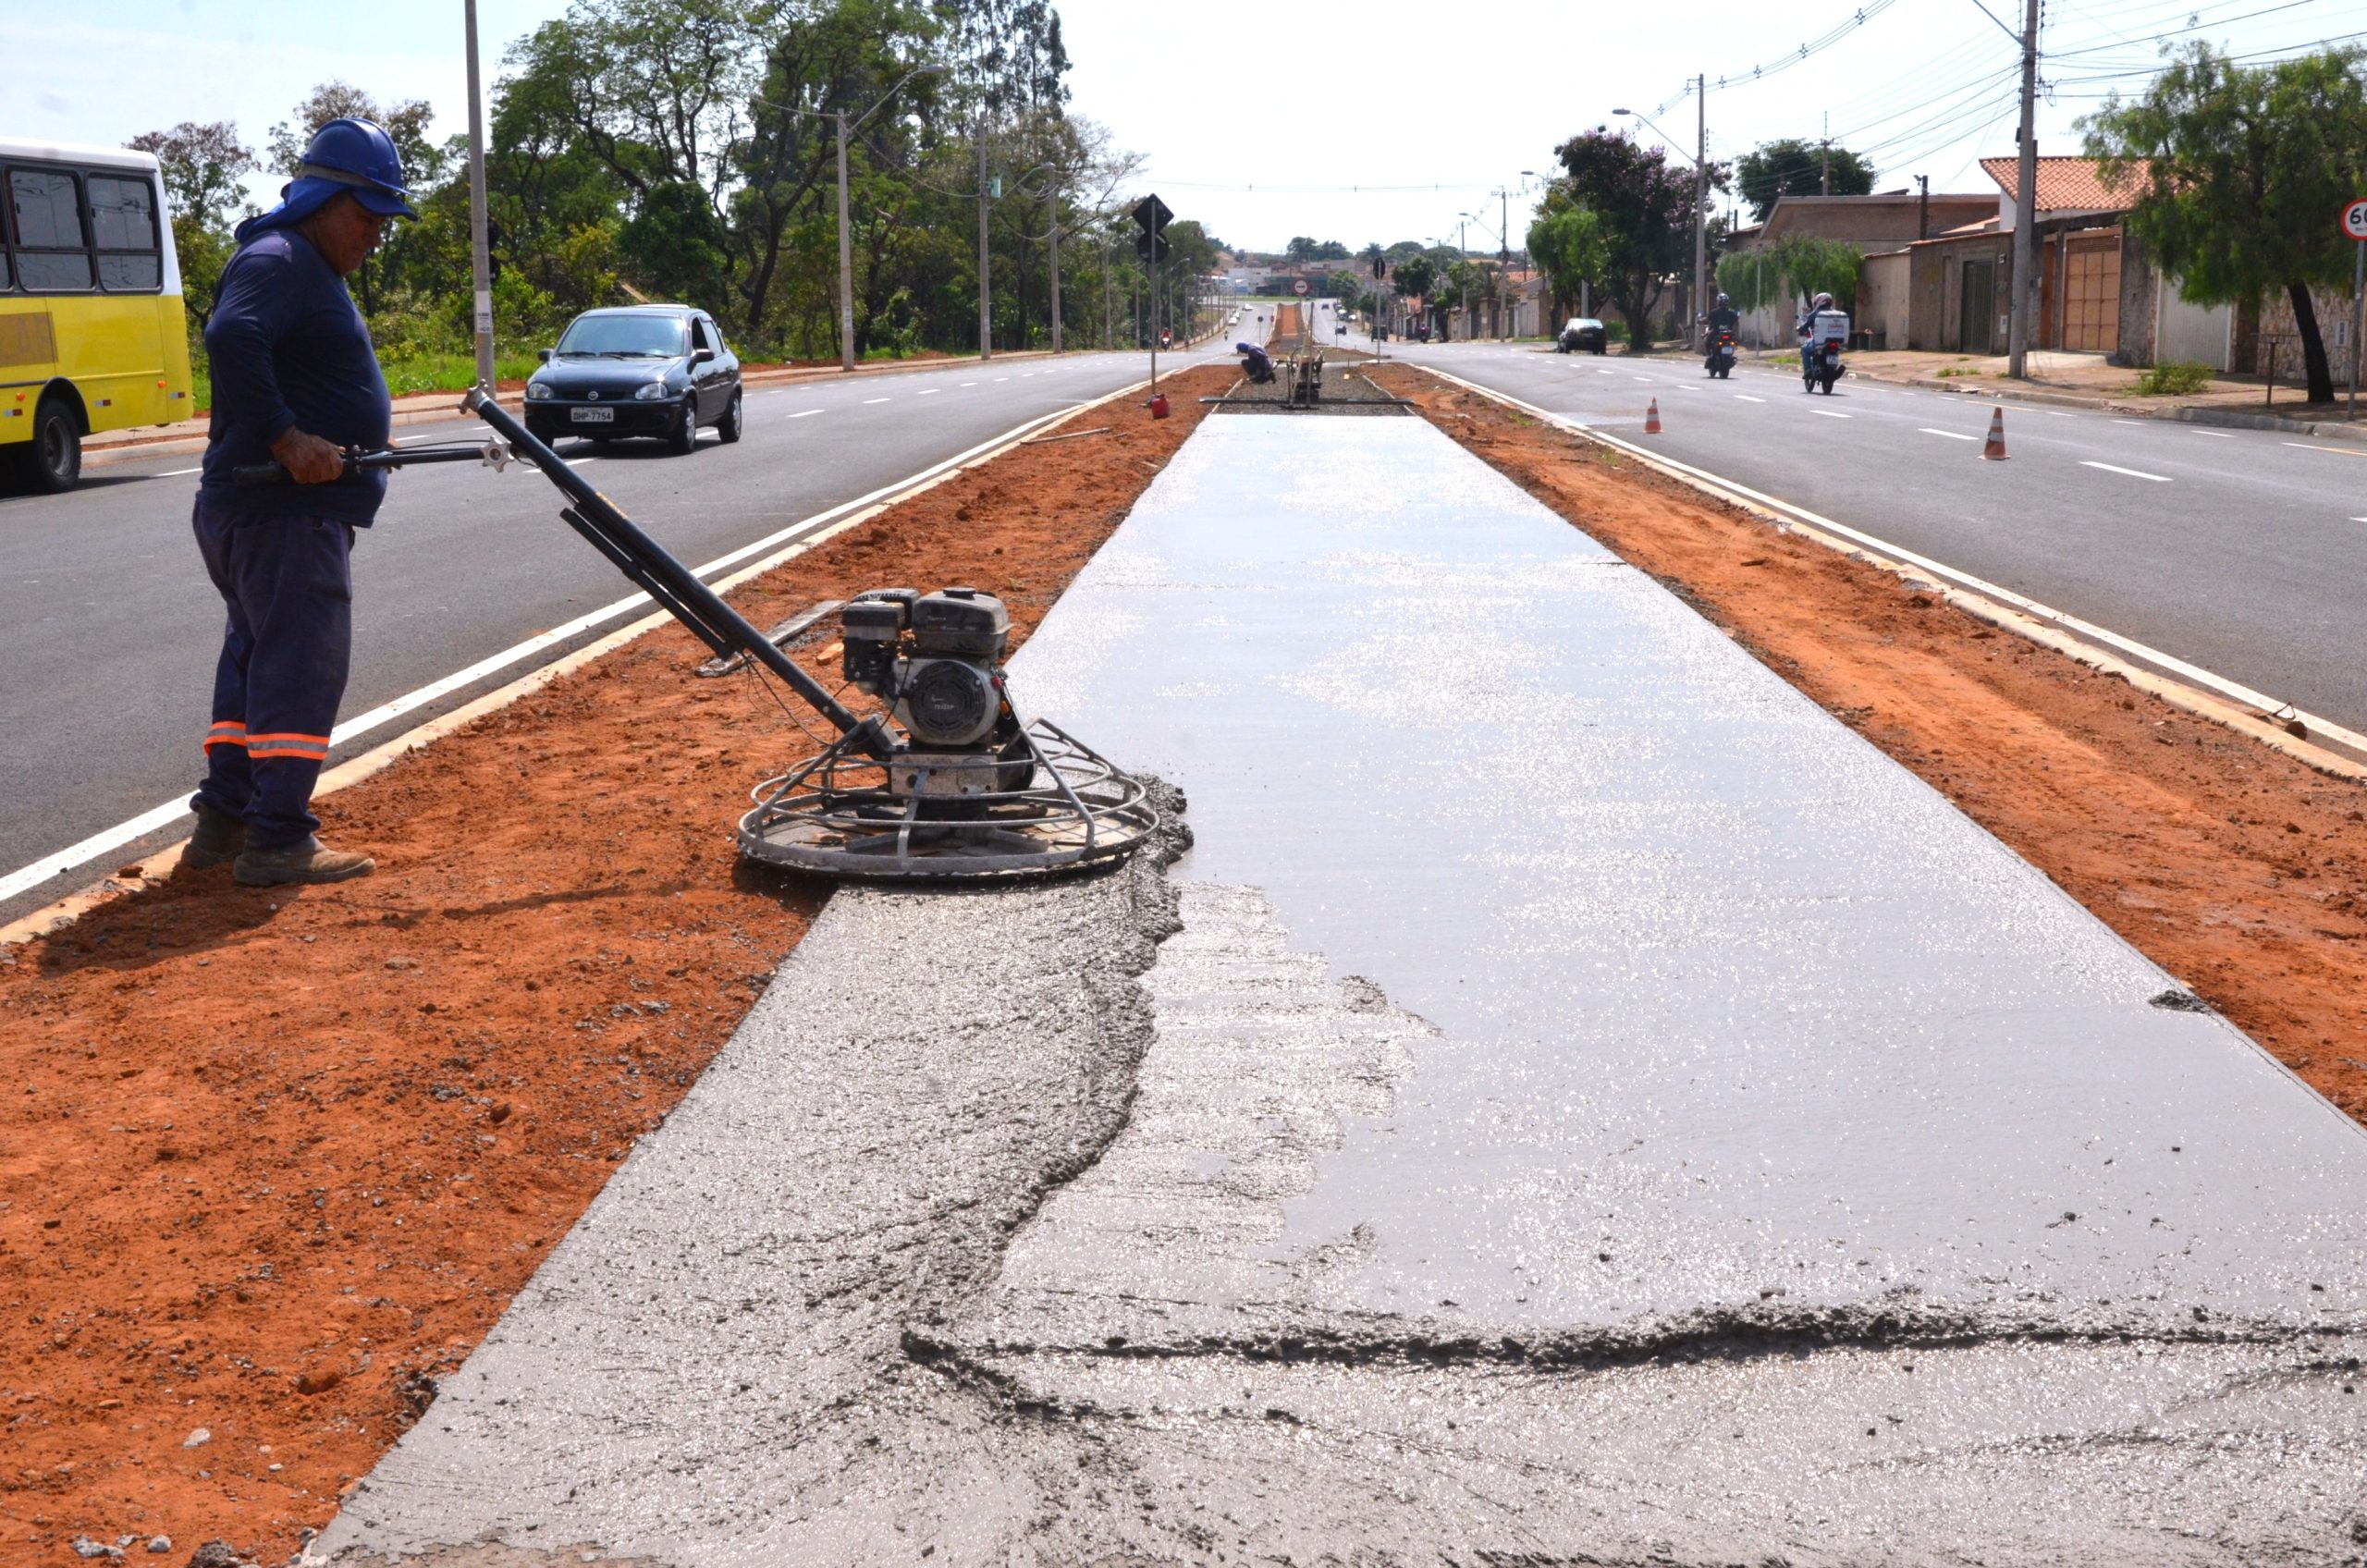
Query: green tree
[1645, 207]
[1302, 248]
[1567, 243]
[405, 123]
[2240, 172]
[1793, 167]
[1342, 285]
[1414, 277]
[204, 167]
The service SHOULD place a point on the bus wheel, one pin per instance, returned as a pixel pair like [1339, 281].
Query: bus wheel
[54, 457]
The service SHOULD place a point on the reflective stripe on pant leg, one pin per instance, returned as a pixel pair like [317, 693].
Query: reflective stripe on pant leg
[229, 781]
[295, 584]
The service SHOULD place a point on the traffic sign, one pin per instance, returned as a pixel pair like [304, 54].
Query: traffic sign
[2354, 221]
[1299, 286]
[1152, 247]
[1151, 215]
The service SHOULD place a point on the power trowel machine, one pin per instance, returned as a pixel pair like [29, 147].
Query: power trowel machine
[946, 783]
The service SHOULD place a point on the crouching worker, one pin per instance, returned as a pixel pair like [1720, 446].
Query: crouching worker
[296, 382]
[1255, 363]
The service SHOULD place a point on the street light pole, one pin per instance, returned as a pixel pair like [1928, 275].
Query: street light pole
[1701, 193]
[479, 257]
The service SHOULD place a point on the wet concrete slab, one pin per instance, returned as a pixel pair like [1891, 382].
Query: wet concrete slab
[1575, 1103]
[1730, 1008]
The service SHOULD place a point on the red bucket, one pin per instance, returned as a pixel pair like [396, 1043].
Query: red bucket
[1158, 406]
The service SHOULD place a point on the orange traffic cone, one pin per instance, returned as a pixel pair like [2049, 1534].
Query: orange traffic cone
[1995, 447]
[1652, 418]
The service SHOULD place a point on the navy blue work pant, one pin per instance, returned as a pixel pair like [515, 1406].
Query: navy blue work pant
[289, 585]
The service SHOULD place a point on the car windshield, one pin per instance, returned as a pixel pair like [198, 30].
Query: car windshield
[625, 337]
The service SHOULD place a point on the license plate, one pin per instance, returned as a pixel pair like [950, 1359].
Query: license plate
[592, 416]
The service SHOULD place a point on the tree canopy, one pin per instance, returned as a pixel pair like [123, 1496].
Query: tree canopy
[1644, 207]
[1568, 246]
[1790, 166]
[2241, 171]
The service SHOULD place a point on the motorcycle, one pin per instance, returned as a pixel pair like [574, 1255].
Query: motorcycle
[1720, 359]
[1822, 340]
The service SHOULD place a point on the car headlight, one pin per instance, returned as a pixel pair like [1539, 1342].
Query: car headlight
[649, 392]
[535, 390]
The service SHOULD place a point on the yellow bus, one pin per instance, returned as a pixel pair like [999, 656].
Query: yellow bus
[91, 332]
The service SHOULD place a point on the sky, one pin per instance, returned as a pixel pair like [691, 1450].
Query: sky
[1380, 123]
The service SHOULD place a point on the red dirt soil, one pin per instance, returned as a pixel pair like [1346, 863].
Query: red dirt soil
[272, 1161]
[2241, 870]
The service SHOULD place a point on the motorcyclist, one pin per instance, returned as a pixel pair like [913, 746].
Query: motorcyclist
[1808, 317]
[1726, 318]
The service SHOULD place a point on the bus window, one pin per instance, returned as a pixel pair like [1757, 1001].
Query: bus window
[50, 253]
[123, 221]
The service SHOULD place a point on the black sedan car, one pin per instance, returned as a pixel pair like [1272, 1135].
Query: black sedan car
[1583, 335]
[637, 370]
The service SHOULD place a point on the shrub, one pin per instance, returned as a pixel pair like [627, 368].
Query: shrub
[2174, 379]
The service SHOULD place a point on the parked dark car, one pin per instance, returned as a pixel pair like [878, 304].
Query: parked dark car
[637, 370]
[1583, 335]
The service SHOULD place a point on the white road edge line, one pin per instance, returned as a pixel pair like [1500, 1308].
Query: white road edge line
[109, 839]
[2313, 446]
[808, 413]
[179, 473]
[868, 402]
[2196, 675]
[929, 391]
[1951, 435]
[2215, 434]
[1747, 397]
[2132, 472]
[1828, 413]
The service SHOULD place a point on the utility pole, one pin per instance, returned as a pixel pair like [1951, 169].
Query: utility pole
[2025, 203]
[1824, 158]
[1056, 266]
[846, 257]
[986, 292]
[1701, 192]
[480, 257]
[1923, 208]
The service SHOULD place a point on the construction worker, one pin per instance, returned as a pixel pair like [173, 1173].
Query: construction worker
[296, 382]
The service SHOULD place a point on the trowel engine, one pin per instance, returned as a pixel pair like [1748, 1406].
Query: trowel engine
[936, 661]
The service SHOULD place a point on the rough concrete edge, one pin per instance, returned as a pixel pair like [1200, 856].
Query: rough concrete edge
[154, 868]
[2179, 694]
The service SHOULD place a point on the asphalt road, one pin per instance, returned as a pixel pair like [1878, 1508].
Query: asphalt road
[2241, 551]
[110, 630]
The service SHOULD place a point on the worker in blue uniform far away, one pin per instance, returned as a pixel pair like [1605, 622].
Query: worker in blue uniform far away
[1255, 363]
[296, 381]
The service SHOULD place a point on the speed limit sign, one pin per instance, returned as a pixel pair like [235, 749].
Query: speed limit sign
[2354, 221]
[1299, 286]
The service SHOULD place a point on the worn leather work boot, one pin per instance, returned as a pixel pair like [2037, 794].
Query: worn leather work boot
[217, 839]
[311, 861]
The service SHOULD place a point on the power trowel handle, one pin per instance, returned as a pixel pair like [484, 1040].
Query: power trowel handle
[676, 588]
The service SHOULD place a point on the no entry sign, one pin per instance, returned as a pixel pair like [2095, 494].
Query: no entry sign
[2354, 220]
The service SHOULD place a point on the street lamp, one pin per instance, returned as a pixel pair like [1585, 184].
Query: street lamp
[1700, 162]
[846, 232]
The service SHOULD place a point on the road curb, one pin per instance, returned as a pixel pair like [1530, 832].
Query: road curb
[156, 866]
[2265, 721]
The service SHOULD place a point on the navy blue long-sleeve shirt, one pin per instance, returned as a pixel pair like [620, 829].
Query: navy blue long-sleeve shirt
[288, 348]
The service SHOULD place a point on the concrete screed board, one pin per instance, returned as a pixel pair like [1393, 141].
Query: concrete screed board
[1576, 1099]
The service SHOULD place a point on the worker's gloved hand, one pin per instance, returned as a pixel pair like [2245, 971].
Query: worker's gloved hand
[308, 459]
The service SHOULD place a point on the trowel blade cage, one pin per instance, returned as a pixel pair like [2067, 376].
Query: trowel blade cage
[835, 815]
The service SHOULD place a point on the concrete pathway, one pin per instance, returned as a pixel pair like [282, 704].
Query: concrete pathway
[1582, 1103]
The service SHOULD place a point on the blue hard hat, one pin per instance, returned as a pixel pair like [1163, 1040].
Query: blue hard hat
[360, 158]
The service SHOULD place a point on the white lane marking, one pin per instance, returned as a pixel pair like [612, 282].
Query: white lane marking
[1747, 397]
[177, 472]
[1951, 435]
[2215, 434]
[1000, 379]
[2337, 451]
[868, 402]
[109, 839]
[1643, 378]
[2057, 413]
[808, 413]
[2358, 520]
[1828, 413]
[929, 391]
[969, 383]
[2132, 472]
[1606, 372]
[579, 463]
[2136, 422]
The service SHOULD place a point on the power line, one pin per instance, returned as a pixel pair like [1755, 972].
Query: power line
[1857, 19]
